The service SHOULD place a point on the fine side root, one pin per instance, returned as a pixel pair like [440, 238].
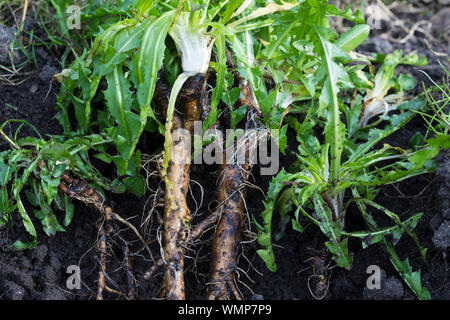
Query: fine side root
[318, 283]
[194, 234]
[102, 250]
[80, 190]
[152, 165]
[128, 271]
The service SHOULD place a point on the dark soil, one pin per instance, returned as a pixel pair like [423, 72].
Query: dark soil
[41, 273]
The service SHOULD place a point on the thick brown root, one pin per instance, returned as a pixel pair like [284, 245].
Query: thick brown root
[226, 243]
[177, 215]
[231, 196]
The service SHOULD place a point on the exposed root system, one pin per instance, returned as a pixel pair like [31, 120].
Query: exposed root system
[226, 243]
[176, 212]
[108, 226]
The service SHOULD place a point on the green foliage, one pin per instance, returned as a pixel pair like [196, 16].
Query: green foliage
[438, 97]
[264, 236]
[412, 278]
[109, 88]
[347, 155]
[377, 101]
[105, 101]
[294, 63]
[124, 59]
[32, 169]
[95, 15]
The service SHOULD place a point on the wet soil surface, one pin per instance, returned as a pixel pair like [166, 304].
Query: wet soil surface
[41, 273]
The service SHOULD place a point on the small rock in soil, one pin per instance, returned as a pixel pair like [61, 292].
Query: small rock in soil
[441, 22]
[446, 214]
[50, 274]
[34, 88]
[378, 44]
[257, 297]
[391, 289]
[47, 73]
[435, 222]
[55, 263]
[13, 291]
[42, 53]
[7, 35]
[441, 238]
[40, 252]
[26, 263]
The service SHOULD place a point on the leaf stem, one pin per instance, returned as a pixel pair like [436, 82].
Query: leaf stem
[9, 140]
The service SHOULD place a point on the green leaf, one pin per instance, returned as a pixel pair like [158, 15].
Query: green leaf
[121, 164]
[26, 219]
[267, 102]
[417, 140]
[353, 37]
[335, 129]
[340, 253]
[371, 237]
[124, 41]
[268, 257]
[148, 61]
[296, 226]
[119, 100]
[264, 236]
[69, 211]
[237, 115]
[45, 214]
[274, 45]
[220, 82]
[231, 96]
[105, 157]
[49, 184]
[406, 82]
[412, 278]
[17, 188]
[333, 230]
[135, 185]
[280, 137]
[21, 245]
[440, 140]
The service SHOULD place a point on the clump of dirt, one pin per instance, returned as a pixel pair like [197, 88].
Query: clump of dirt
[7, 37]
[31, 95]
[440, 223]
